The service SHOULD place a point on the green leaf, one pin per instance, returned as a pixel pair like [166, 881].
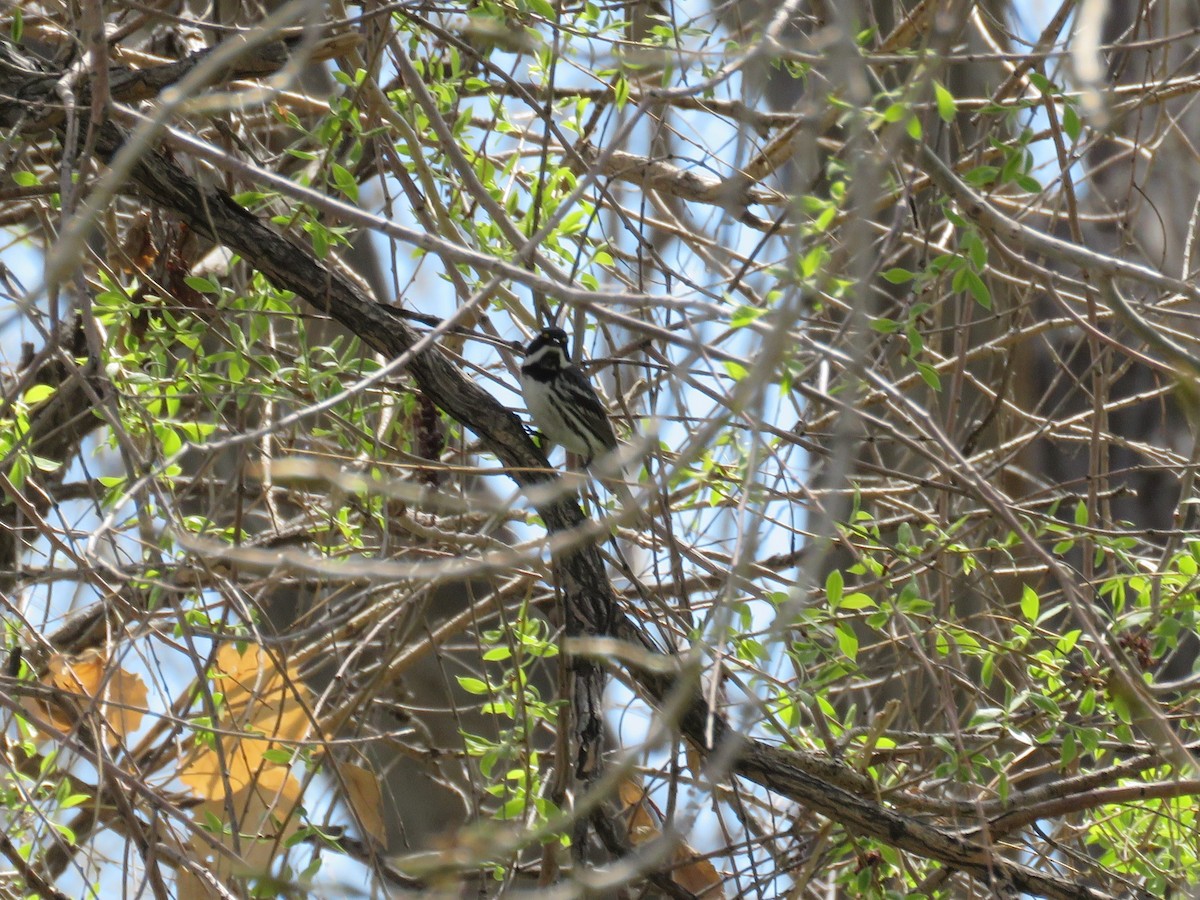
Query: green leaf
[929, 375]
[847, 641]
[735, 370]
[168, 440]
[1030, 603]
[203, 285]
[1041, 82]
[1067, 642]
[37, 393]
[345, 181]
[885, 325]
[473, 685]
[25, 179]
[945, 102]
[43, 464]
[1081, 513]
[195, 432]
[977, 288]
[621, 92]
[744, 315]
[73, 800]
[981, 176]
[898, 275]
[858, 600]
[835, 583]
[1028, 183]
[1070, 122]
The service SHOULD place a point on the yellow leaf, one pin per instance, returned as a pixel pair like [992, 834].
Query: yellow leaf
[265, 816]
[364, 798]
[267, 707]
[635, 803]
[690, 871]
[84, 682]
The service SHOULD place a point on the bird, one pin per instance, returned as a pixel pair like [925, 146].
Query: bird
[562, 402]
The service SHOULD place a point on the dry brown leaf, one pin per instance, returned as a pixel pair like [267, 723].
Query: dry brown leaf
[696, 874]
[642, 826]
[270, 708]
[364, 798]
[122, 695]
[689, 870]
[264, 818]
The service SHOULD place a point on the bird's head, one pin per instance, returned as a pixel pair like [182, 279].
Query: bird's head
[547, 350]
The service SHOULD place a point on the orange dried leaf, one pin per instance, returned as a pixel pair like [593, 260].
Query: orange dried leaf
[264, 818]
[364, 798]
[690, 871]
[121, 695]
[635, 803]
[270, 708]
[696, 875]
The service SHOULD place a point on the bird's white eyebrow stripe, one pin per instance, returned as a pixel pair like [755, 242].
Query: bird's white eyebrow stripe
[541, 353]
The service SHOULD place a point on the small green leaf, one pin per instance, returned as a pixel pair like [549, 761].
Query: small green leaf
[884, 325]
[1067, 642]
[473, 685]
[744, 315]
[345, 181]
[929, 375]
[203, 285]
[1030, 602]
[898, 275]
[1041, 82]
[945, 102]
[169, 440]
[74, 800]
[1070, 123]
[43, 464]
[735, 370]
[25, 179]
[37, 393]
[847, 641]
[1028, 183]
[977, 288]
[195, 432]
[835, 583]
[621, 92]
[981, 176]
[857, 600]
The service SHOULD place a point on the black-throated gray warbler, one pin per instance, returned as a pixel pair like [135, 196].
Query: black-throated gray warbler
[562, 402]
